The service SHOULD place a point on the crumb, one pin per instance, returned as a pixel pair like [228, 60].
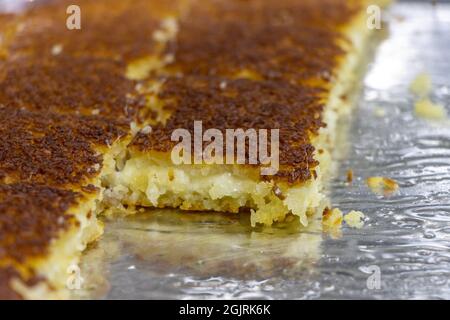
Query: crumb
[350, 176]
[169, 28]
[95, 112]
[134, 128]
[332, 218]
[379, 112]
[425, 108]
[170, 25]
[421, 85]
[223, 85]
[61, 220]
[139, 87]
[57, 49]
[332, 222]
[159, 36]
[278, 193]
[354, 219]
[168, 58]
[382, 185]
[146, 130]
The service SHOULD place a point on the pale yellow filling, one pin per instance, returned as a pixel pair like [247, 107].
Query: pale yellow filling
[145, 182]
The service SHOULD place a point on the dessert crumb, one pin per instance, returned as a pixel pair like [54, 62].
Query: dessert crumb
[349, 175]
[354, 219]
[57, 49]
[382, 185]
[427, 109]
[421, 85]
[332, 222]
[146, 130]
[332, 218]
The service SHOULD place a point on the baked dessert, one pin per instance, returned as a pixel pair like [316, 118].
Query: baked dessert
[87, 116]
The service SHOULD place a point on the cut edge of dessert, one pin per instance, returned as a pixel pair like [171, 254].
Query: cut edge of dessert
[150, 179]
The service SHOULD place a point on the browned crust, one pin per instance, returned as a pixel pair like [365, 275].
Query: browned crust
[243, 103]
[287, 40]
[291, 49]
[6, 292]
[46, 148]
[110, 29]
[69, 85]
[31, 217]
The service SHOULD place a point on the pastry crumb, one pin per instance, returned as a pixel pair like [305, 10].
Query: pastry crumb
[332, 222]
[427, 109]
[382, 185]
[146, 130]
[349, 175]
[134, 128]
[354, 219]
[57, 49]
[332, 218]
[421, 85]
[223, 85]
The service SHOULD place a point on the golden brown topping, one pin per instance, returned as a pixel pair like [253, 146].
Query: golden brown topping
[243, 104]
[115, 29]
[290, 40]
[30, 217]
[46, 148]
[6, 292]
[69, 85]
